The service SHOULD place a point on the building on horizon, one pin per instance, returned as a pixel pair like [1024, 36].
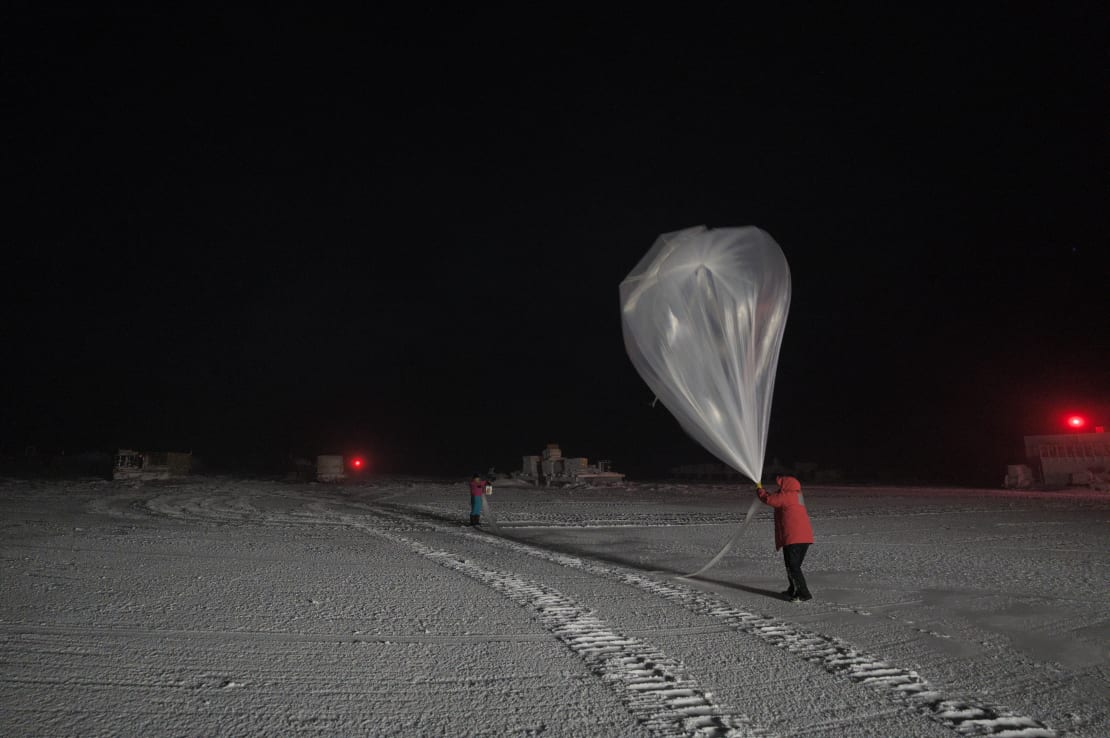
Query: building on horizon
[553, 468]
[1069, 459]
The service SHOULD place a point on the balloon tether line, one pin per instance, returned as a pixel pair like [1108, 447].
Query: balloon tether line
[487, 508]
[728, 544]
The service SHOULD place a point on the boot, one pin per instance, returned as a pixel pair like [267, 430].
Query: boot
[790, 592]
[801, 590]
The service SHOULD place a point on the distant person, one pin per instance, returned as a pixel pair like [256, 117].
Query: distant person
[477, 489]
[793, 532]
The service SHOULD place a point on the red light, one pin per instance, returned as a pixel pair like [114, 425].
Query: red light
[1075, 421]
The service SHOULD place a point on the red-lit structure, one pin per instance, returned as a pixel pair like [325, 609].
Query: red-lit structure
[1070, 459]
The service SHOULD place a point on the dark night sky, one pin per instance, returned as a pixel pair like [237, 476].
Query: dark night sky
[260, 233]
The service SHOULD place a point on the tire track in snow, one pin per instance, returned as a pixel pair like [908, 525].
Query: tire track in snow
[964, 715]
[904, 686]
[652, 686]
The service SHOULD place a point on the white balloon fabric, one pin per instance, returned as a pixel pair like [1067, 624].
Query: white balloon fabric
[703, 315]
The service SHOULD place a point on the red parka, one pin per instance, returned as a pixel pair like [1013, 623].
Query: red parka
[791, 519]
[477, 487]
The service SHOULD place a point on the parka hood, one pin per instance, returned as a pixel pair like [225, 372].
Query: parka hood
[789, 484]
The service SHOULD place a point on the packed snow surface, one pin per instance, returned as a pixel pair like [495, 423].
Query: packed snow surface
[218, 606]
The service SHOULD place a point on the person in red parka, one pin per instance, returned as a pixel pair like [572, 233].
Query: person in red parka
[477, 492]
[793, 532]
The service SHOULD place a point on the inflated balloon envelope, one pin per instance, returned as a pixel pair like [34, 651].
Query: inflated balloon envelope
[703, 315]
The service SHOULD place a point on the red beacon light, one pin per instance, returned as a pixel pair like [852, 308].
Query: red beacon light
[357, 463]
[1075, 422]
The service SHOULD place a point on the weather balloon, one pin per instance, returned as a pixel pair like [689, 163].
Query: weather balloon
[703, 315]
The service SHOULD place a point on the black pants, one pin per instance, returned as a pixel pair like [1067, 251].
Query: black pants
[794, 554]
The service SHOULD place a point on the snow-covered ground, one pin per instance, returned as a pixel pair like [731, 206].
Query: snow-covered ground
[215, 606]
